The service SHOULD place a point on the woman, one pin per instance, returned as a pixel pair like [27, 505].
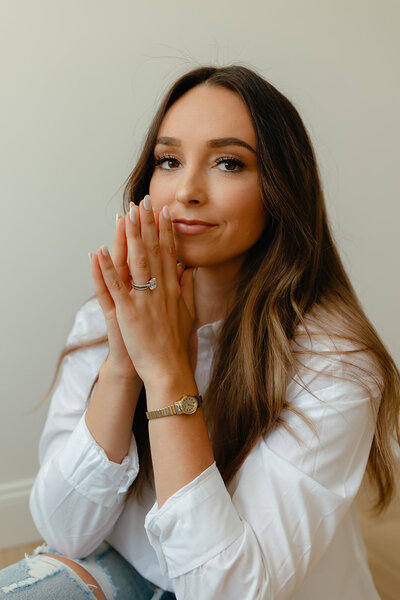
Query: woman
[257, 390]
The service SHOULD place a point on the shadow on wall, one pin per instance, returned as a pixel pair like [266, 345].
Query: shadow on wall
[382, 539]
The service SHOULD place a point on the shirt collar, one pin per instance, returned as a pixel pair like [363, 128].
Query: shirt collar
[209, 330]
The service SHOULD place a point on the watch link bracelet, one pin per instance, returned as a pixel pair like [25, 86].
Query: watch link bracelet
[187, 405]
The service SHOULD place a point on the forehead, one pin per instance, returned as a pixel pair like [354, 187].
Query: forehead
[207, 112]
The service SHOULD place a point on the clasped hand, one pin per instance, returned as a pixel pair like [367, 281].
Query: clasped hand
[148, 330]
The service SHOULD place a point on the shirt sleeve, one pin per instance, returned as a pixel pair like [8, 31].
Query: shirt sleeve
[78, 492]
[260, 538]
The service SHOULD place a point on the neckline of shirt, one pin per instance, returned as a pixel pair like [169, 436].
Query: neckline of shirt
[209, 329]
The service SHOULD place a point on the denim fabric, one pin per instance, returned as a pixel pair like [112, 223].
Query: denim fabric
[39, 577]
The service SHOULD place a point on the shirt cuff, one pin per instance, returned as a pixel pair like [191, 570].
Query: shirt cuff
[196, 523]
[86, 466]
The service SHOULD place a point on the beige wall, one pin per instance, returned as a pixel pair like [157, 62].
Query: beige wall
[79, 84]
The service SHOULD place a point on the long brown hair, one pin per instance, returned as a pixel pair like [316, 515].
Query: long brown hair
[293, 269]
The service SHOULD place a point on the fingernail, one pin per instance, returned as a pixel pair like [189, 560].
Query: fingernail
[104, 250]
[117, 217]
[165, 212]
[132, 213]
[147, 202]
[90, 256]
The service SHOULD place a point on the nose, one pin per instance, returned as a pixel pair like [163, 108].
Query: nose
[191, 186]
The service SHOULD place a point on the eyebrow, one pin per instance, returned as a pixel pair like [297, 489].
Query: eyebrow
[217, 143]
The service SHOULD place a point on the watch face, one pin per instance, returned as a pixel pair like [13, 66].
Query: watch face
[189, 405]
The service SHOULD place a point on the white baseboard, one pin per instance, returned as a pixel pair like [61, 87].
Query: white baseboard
[16, 524]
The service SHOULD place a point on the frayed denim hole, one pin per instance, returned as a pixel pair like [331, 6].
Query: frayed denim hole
[31, 578]
[45, 549]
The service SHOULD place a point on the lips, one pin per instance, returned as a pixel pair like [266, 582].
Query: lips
[190, 222]
[192, 227]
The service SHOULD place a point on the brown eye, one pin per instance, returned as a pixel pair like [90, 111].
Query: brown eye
[167, 163]
[232, 165]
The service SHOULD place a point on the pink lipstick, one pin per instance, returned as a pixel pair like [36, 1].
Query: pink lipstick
[192, 227]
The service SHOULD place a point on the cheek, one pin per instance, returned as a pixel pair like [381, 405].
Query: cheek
[246, 207]
[153, 186]
[157, 192]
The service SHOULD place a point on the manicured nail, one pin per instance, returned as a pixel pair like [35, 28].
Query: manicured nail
[147, 202]
[132, 213]
[117, 217]
[104, 250]
[165, 212]
[90, 256]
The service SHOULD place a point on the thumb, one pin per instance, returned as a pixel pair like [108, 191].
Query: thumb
[187, 290]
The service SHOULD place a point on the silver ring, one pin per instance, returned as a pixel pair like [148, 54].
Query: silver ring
[151, 284]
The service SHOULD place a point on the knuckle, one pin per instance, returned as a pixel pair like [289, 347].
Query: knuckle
[171, 250]
[116, 285]
[141, 262]
[154, 249]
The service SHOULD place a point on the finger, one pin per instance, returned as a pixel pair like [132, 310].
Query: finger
[149, 235]
[137, 257]
[156, 220]
[100, 289]
[168, 252]
[120, 251]
[113, 281]
[133, 213]
[180, 268]
[187, 290]
[143, 246]
[107, 305]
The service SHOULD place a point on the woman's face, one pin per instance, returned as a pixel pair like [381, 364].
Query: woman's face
[206, 170]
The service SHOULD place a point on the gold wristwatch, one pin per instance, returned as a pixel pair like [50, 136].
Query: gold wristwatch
[187, 405]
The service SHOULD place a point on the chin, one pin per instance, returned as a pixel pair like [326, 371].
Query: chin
[192, 257]
[191, 261]
[188, 263]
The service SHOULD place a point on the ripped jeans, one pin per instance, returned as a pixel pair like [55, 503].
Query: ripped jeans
[39, 577]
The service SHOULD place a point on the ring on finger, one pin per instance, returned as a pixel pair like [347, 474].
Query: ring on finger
[151, 284]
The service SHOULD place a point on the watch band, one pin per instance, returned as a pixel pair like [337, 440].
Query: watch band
[187, 405]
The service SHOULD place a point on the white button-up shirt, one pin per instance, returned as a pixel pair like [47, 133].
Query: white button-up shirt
[285, 527]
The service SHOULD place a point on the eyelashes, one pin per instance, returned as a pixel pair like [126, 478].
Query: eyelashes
[232, 162]
[160, 160]
[234, 165]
